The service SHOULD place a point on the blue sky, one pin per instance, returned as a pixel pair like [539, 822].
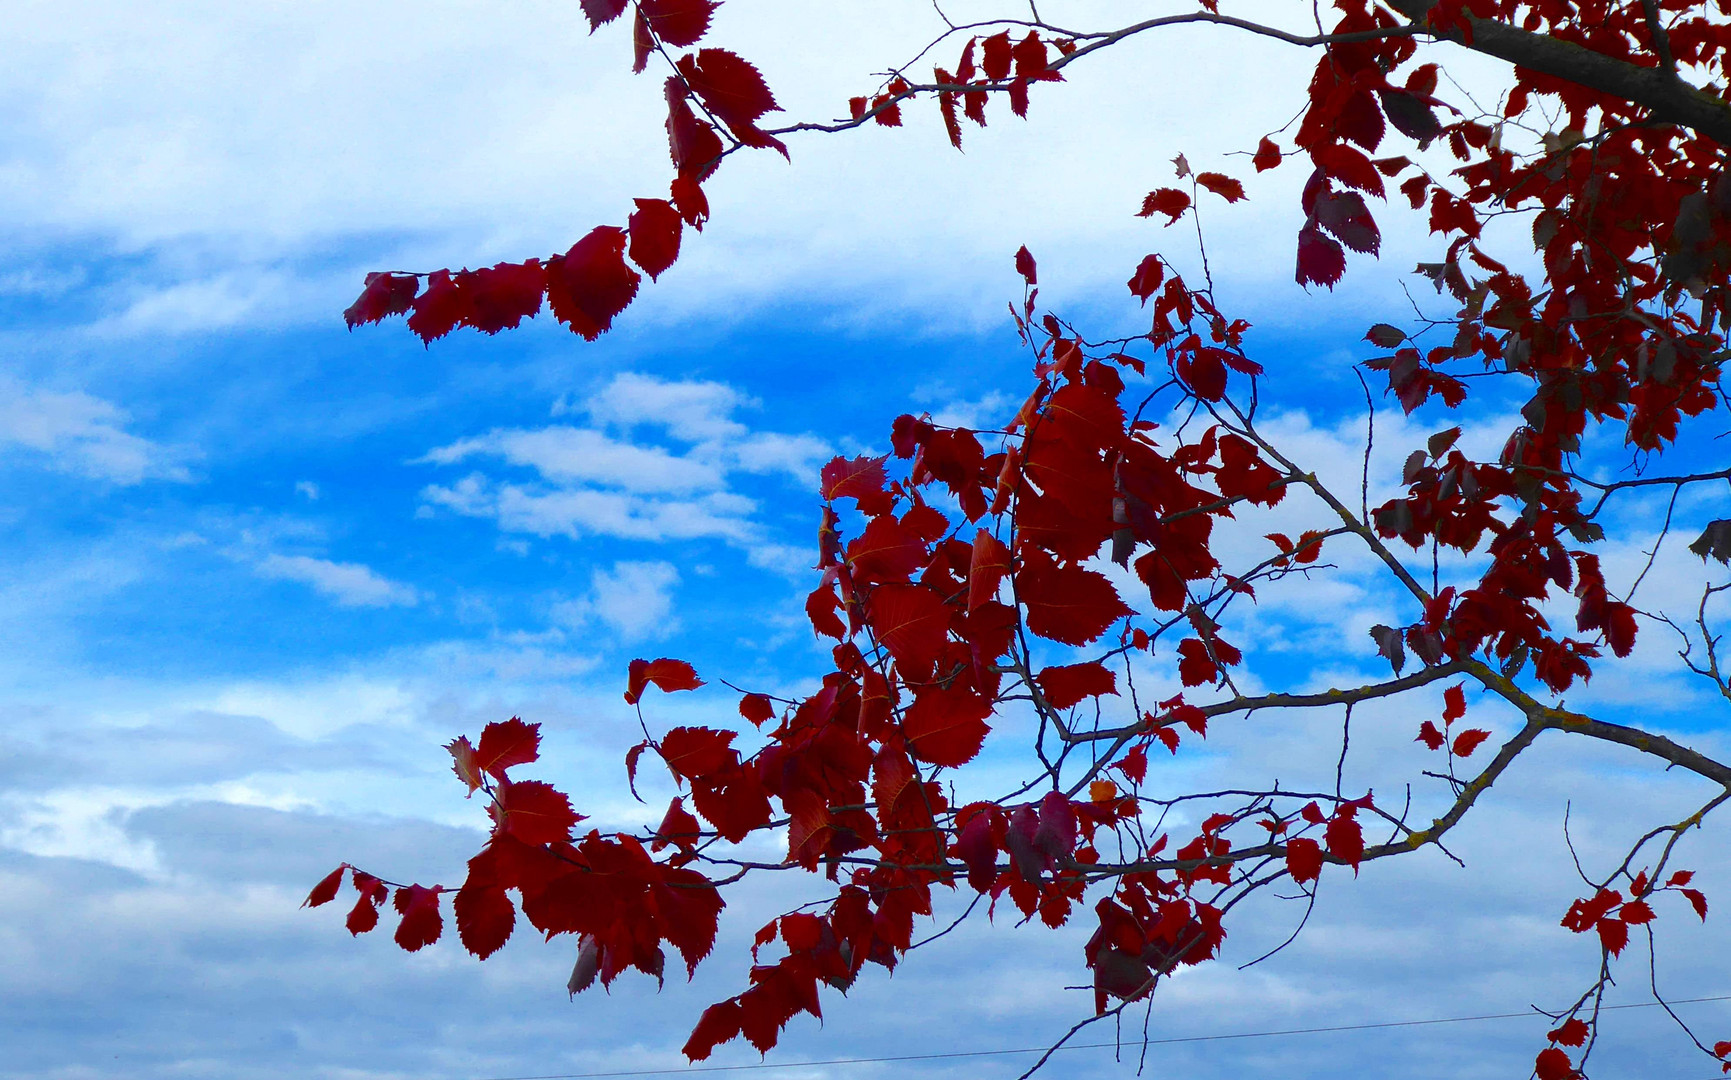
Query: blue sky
[257, 568]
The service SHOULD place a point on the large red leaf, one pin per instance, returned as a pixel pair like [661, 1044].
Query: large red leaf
[718, 1024]
[501, 297]
[733, 91]
[326, 890]
[485, 917]
[439, 309]
[860, 479]
[1303, 859]
[1320, 258]
[988, 565]
[384, 295]
[533, 812]
[590, 284]
[697, 751]
[912, 622]
[692, 142]
[886, 551]
[947, 726]
[1067, 604]
[507, 743]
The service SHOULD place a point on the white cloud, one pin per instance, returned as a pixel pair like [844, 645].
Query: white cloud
[81, 434]
[349, 584]
[635, 599]
[617, 480]
[307, 490]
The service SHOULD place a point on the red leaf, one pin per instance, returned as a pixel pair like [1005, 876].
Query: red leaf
[533, 812]
[1572, 1032]
[986, 569]
[1430, 736]
[678, 22]
[974, 846]
[1554, 1064]
[1204, 372]
[1345, 840]
[439, 309]
[507, 743]
[1267, 155]
[912, 622]
[601, 12]
[667, 674]
[1222, 185]
[655, 229]
[326, 890]
[1030, 56]
[718, 1024]
[1168, 201]
[1303, 859]
[1636, 912]
[1065, 686]
[1613, 934]
[1134, 765]
[501, 297]
[365, 914]
[677, 827]
[422, 924]
[1168, 738]
[590, 284]
[1454, 704]
[1697, 900]
[1149, 273]
[996, 55]
[693, 144]
[1468, 741]
[861, 479]
[1320, 258]
[1343, 163]
[1066, 604]
[695, 751]
[463, 762]
[1195, 666]
[1025, 265]
[734, 91]
[689, 199]
[756, 708]
[383, 296]
[886, 551]
[947, 726]
[485, 917]
[1312, 813]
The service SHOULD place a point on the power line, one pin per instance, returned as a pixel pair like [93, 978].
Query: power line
[1079, 1046]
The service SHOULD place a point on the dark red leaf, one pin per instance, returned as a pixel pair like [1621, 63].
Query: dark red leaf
[1025, 265]
[601, 12]
[1430, 736]
[590, 284]
[912, 622]
[326, 890]
[996, 55]
[718, 1024]
[1468, 741]
[691, 141]
[756, 708]
[1320, 258]
[655, 229]
[1149, 273]
[485, 917]
[1613, 934]
[1553, 1064]
[1345, 840]
[1267, 155]
[1303, 859]
[1572, 1032]
[439, 309]
[1066, 604]
[678, 22]
[1168, 201]
[860, 479]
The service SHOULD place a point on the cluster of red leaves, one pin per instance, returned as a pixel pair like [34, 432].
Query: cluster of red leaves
[932, 578]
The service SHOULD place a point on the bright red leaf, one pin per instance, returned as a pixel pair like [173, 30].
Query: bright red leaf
[666, 674]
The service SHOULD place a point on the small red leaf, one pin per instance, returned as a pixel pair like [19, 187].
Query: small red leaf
[439, 309]
[947, 726]
[667, 674]
[1553, 1064]
[1267, 155]
[1303, 859]
[1025, 266]
[695, 751]
[655, 229]
[1468, 741]
[1613, 934]
[1321, 261]
[1222, 185]
[718, 1024]
[326, 890]
[1168, 201]
[1149, 273]
[1697, 900]
[757, 708]
[1430, 736]
[1345, 840]
[601, 12]
[1572, 1032]
[383, 296]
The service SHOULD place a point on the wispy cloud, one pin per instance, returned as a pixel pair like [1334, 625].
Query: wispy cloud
[72, 431]
[349, 584]
[635, 599]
